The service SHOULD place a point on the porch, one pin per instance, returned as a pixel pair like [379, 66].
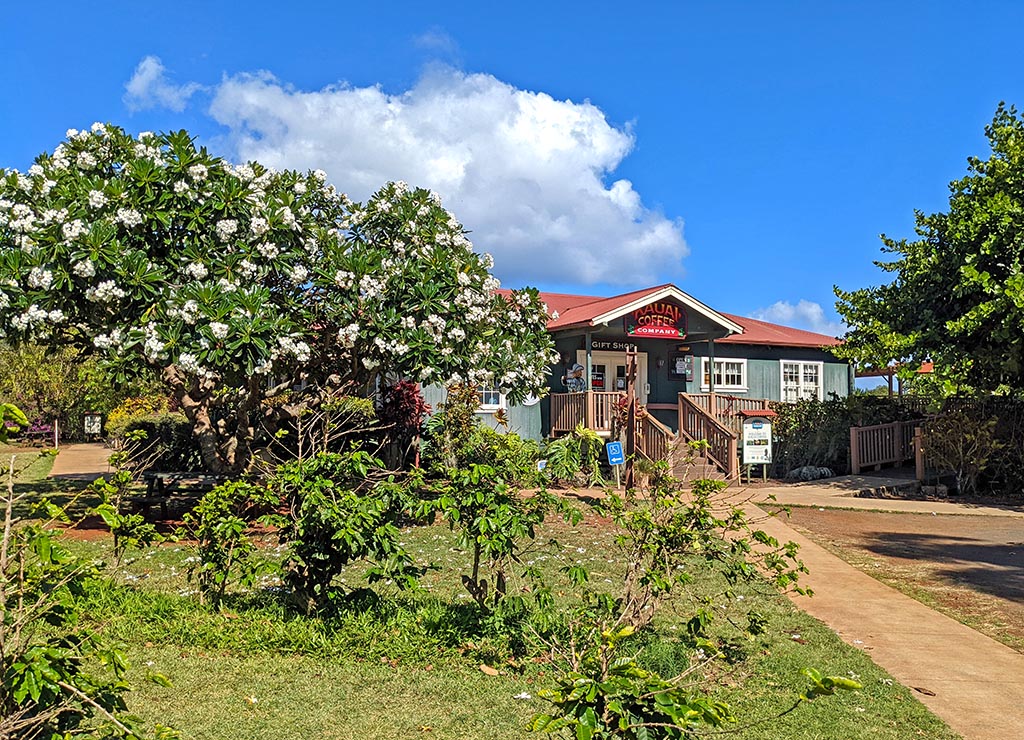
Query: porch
[712, 417]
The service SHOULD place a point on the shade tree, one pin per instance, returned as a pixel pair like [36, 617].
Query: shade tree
[957, 290]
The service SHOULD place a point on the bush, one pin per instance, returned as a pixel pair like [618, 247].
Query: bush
[601, 691]
[495, 523]
[575, 459]
[341, 510]
[60, 679]
[449, 432]
[402, 410]
[218, 524]
[514, 458]
[169, 442]
[817, 433]
[133, 409]
[964, 444]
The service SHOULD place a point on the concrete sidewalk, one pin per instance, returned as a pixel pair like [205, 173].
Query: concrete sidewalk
[972, 682]
[842, 492]
[81, 462]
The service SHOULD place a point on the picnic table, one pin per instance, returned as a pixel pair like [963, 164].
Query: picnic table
[160, 486]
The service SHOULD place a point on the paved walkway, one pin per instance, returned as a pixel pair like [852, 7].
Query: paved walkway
[81, 462]
[975, 684]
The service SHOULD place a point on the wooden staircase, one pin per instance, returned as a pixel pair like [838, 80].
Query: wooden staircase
[656, 442]
[716, 419]
[696, 424]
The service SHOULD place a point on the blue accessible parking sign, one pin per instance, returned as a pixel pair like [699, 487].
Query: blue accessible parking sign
[615, 456]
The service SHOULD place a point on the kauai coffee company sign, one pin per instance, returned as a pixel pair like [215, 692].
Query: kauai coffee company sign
[661, 320]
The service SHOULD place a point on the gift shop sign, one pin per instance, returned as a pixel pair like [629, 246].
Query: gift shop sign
[661, 320]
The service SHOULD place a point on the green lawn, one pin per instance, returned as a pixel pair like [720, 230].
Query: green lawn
[409, 665]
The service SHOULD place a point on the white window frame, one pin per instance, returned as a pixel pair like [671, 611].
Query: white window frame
[490, 408]
[801, 364]
[742, 361]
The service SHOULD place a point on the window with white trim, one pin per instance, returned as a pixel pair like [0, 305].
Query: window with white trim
[730, 374]
[802, 380]
[491, 398]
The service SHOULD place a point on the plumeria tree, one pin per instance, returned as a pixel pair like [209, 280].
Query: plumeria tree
[240, 282]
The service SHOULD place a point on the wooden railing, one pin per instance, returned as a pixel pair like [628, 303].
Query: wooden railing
[881, 444]
[594, 409]
[695, 424]
[653, 439]
[725, 409]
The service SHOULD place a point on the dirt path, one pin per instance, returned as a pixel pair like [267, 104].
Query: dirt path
[969, 567]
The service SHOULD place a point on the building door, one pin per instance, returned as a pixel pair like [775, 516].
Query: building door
[608, 372]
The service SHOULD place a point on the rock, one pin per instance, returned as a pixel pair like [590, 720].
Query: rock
[809, 472]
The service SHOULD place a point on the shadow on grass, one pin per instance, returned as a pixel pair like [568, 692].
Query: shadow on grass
[73, 495]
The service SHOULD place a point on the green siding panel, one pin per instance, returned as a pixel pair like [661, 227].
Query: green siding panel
[523, 420]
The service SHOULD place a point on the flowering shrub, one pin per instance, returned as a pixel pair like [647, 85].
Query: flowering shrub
[238, 282]
[131, 409]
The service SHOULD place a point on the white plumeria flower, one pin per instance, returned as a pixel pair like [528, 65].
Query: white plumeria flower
[129, 217]
[40, 277]
[247, 269]
[226, 229]
[347, 335]
[106, 292]
[196, 271]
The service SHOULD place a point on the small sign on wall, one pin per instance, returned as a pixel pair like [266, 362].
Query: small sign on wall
[680, 367]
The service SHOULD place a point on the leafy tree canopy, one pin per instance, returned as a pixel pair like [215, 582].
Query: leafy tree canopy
[149, 251]
[957, 296]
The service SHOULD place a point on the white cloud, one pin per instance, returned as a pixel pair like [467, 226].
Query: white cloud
[804, 315]
[149, 88]
[438, 41]
[524, 172]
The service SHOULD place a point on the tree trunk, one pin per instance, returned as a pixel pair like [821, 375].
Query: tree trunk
[219, 447]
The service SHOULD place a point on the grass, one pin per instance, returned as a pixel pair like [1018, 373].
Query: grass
[409, 665]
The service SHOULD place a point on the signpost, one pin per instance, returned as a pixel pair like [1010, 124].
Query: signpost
[631, 415]
[615, 458]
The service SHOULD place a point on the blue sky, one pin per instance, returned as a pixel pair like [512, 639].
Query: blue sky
[749, 152]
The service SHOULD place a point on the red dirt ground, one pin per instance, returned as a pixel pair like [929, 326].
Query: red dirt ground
[969, 567]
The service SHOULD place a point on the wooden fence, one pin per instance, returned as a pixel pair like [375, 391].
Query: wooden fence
[882, 444]
[654, 439]
[725, 408]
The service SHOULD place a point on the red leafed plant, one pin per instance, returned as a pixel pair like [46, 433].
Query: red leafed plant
[403, 409]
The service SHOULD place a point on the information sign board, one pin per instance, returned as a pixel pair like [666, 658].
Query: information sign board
[757, 441]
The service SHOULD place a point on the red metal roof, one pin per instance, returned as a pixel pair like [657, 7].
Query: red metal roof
[761, 332]
[581, 310]
[585, 310]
